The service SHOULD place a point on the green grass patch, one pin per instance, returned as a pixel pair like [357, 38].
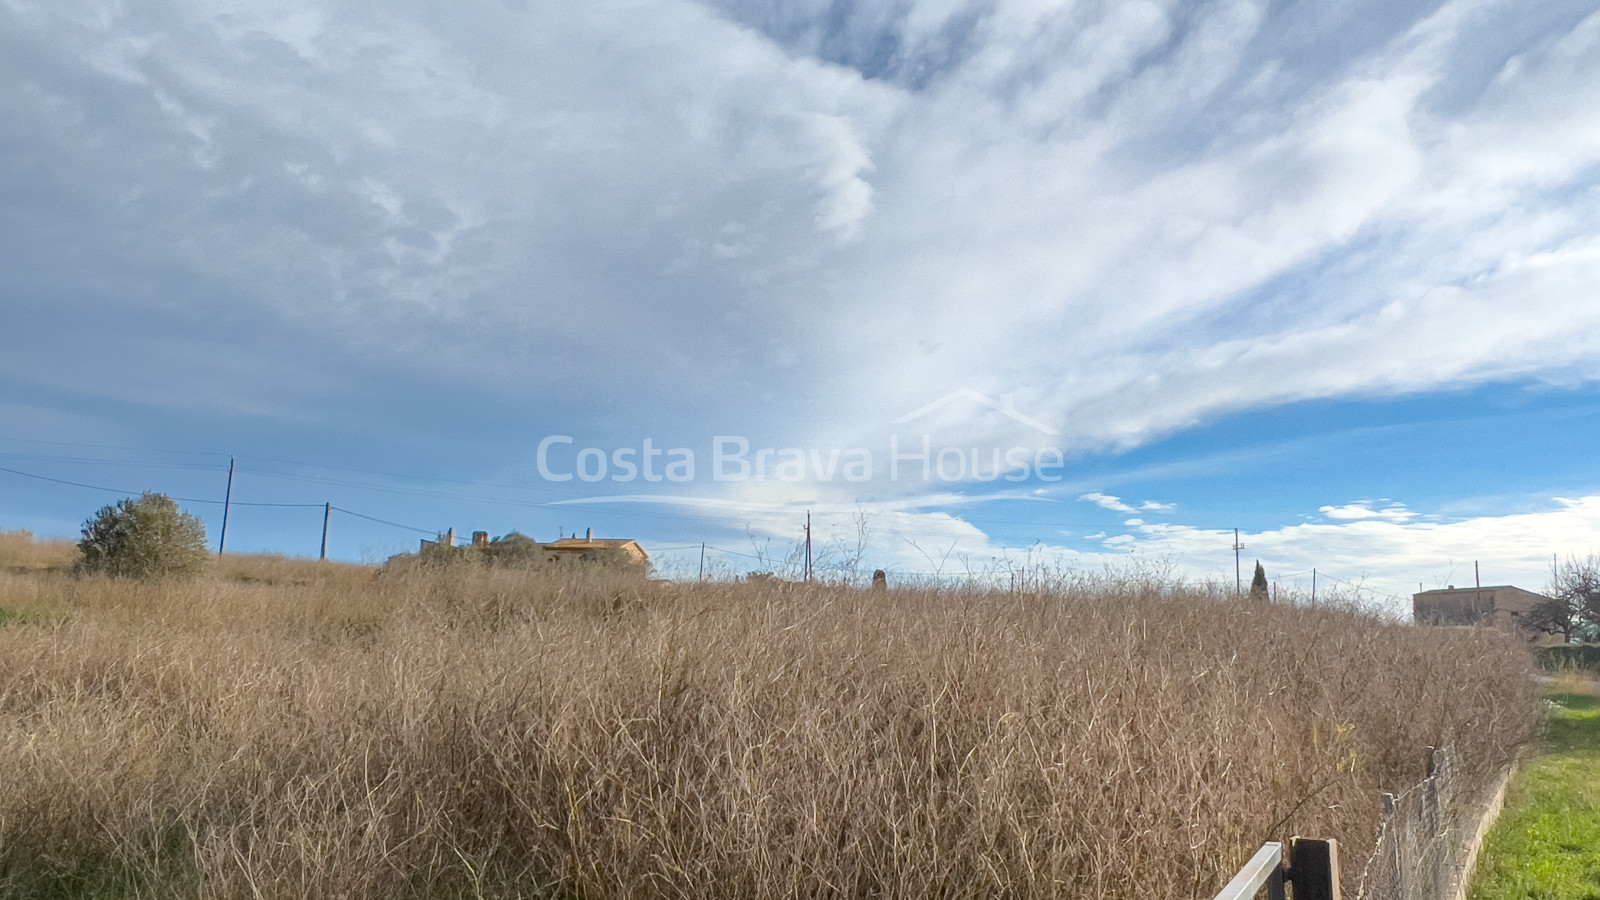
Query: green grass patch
[18, 616]
[1546, 845]
[164, 870]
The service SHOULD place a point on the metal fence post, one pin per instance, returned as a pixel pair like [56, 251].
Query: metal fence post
[1314, 868]
[1396, 862]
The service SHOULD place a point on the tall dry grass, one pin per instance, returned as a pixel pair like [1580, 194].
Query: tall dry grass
[294, 730]
[20, 551]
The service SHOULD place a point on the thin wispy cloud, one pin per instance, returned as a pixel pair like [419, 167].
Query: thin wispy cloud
[1117, 504]
[1106, 501]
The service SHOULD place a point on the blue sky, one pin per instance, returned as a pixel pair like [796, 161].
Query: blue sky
[1323, 272]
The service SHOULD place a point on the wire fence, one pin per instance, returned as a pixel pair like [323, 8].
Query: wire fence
[1428, 843]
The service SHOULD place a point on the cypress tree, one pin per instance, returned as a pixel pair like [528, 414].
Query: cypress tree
[1258, 584]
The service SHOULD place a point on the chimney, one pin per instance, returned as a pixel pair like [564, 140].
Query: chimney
[448, 538]
[588, 534]
[480, 539]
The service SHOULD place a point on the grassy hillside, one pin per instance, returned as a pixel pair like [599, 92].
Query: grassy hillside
[287, 729]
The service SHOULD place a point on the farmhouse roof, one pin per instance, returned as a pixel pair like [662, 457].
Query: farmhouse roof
[578, 543]
[588, 543]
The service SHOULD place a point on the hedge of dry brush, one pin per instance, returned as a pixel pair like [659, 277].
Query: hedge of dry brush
[301, 731]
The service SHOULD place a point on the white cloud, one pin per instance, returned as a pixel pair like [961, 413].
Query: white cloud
[1388, 554]
[1385, 556]
[1107, 501]
[1363, 510]
[1117, 504]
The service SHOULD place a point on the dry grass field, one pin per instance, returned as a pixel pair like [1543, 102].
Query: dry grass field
[290, 729]
[20, 552]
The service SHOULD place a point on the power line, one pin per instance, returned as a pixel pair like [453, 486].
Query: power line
[92, 487]
[382, 521]
[126, 463]
[737, 553]
[1360, 587]
[109, 490]
[112, 490]
[258, 505]
[218, 456]
[688, 516]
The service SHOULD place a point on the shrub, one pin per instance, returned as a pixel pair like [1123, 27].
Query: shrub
[1570, 656]
[148, 537]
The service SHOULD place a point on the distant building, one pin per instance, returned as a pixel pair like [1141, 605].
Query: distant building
[592, 549]
[1488, 605]
[518, 549]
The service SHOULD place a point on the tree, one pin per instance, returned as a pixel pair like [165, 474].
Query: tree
[1258, 583]
[148, 537]
[1573, 605]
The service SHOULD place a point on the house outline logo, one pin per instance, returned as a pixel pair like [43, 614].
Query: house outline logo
[1006, 406]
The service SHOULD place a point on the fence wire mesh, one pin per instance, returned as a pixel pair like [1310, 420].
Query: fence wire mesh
[1428, 837]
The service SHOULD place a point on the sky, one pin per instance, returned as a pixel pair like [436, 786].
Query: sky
[981, 284]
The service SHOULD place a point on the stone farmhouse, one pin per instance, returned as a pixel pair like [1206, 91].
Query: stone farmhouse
[1489, 605]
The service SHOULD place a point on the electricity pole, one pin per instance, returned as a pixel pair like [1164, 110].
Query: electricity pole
[227, 503]
[327, 513]
[702, 560]
[1238, 575]
[808, 545]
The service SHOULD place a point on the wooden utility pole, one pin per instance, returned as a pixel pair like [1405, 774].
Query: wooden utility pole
[1313, 587]
[227, 503]
[1238, 575]
[327, 513]
[702, 560]
[808, 545]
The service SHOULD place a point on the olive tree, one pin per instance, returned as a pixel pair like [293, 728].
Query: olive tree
[144, 537]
